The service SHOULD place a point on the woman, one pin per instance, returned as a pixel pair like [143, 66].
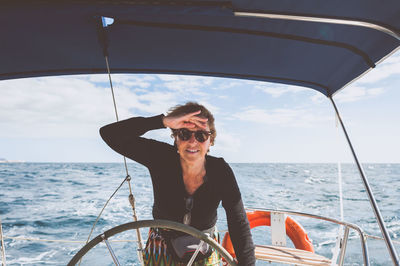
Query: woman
[188, 184]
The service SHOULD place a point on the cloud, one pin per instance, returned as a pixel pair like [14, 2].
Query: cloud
[76, 106]
[225, 144]
[73, 106]
[278, 90]
[282, 117]
[318, 97]
[355, 93]
[388, 68]
[53, 106]
[225, 83]
[133, 81]
[369, 85]
[187, 85]
[198, 86]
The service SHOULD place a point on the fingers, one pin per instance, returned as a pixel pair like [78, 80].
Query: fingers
[201, 124]
[191, 120]
[198, 119]
[189, 125]
[192, 114]
[193, 123]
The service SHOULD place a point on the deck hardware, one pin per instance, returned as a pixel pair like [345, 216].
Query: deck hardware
[278, 229]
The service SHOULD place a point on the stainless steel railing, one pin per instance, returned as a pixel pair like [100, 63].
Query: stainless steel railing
[347, 227]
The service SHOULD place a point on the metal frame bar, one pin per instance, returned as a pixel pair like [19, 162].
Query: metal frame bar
[103, 39]
[371, 197]
[346, 224]
[116, 262]
[322, 20]
[3, 247]
[343, 246]
[195, 253]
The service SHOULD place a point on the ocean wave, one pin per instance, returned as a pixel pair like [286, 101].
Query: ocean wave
[62, 201]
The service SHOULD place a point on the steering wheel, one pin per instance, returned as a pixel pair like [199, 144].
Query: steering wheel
[151, 223]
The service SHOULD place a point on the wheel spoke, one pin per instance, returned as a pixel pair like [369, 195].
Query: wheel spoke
[110, 250]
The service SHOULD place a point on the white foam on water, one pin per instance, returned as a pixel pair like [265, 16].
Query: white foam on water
[40, 258]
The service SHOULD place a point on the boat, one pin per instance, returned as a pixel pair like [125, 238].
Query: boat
[322, 46]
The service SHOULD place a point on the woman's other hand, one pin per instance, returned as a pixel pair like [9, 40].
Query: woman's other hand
[189, 121]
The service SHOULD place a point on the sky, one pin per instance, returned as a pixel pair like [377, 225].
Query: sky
[56, 119]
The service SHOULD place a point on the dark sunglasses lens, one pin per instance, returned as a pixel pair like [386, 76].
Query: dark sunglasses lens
[184, 134]
[201, 136]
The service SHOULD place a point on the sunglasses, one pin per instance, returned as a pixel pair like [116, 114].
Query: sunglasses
[185, 134]
[187, 218]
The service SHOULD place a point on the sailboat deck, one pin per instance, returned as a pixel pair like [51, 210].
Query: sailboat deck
[289, 256]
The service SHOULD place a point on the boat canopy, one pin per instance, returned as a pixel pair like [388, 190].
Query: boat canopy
[322, 45]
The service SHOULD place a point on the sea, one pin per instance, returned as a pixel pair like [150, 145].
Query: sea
[40, 202]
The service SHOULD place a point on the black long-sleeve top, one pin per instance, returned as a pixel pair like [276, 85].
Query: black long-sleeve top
[169, 191]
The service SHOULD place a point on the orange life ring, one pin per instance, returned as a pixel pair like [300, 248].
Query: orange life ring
[294, 231]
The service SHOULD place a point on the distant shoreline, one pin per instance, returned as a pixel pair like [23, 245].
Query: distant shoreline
[12, 161]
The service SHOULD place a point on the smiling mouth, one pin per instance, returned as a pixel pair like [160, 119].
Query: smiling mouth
[192, 151]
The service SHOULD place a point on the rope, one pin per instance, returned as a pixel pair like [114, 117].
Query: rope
[115, 108]
[340, 176]
[101, 212]
[3, 247]
[339, 240]
[128, 178]
[380, 238]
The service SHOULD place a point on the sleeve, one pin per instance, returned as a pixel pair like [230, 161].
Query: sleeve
[238, 225]
[125, 138]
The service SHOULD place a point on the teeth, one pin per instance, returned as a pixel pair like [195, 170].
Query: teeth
[192, 150]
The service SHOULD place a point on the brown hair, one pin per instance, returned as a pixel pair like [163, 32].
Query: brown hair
[191, 107]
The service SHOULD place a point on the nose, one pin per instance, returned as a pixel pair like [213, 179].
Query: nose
[192, 138]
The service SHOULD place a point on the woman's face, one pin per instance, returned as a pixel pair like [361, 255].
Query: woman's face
[192, 150]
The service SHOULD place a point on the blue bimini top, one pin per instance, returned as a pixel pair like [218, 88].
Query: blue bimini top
[322, 45]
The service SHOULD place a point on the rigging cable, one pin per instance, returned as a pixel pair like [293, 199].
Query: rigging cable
[103, 41]
[128, 177]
